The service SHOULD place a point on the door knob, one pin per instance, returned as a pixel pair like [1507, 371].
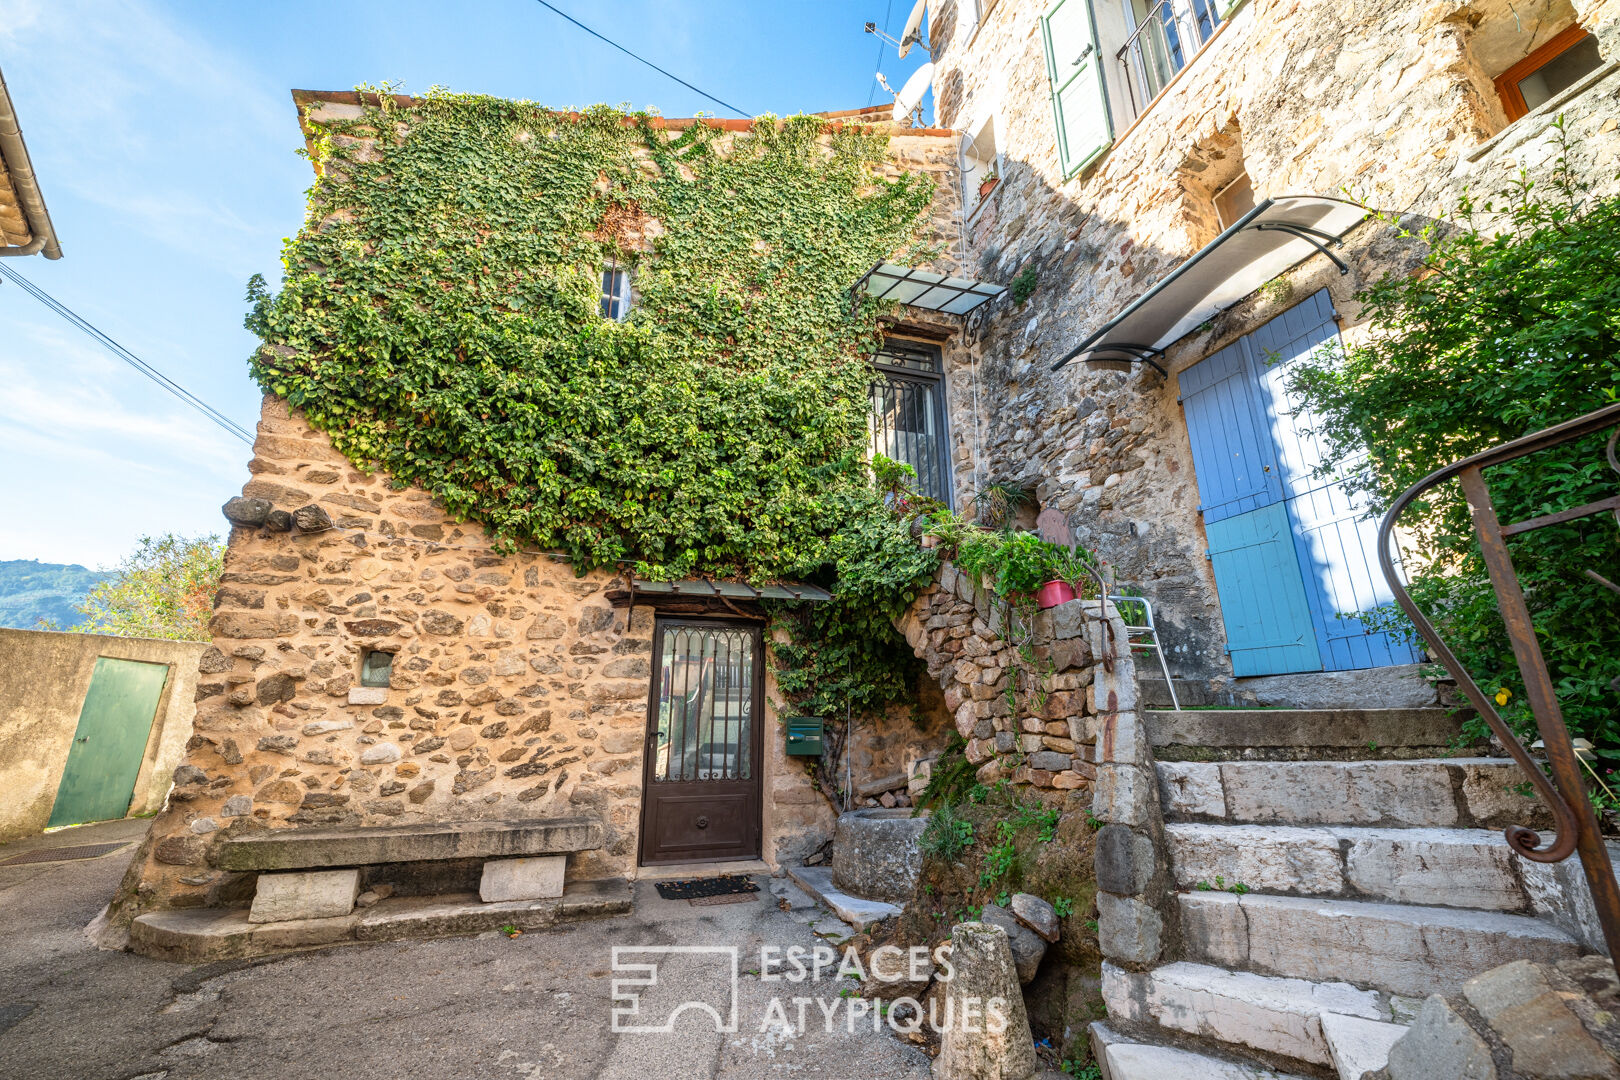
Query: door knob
[702, 823]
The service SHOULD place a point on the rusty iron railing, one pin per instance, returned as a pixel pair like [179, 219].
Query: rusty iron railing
[1577, 826]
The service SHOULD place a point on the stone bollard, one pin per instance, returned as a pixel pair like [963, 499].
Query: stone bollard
[995, 1043]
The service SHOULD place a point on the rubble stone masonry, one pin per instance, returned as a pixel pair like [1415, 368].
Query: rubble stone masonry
[1388, 100]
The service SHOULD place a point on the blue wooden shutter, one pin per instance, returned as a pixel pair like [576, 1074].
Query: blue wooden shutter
[1335, 536]
[1074, 72]
[1269, 630]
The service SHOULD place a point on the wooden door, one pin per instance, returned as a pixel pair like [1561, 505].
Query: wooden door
[1293, 548]
[702, 783]
[110, 741]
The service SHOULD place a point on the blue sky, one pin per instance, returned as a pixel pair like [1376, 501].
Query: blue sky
[165, 141]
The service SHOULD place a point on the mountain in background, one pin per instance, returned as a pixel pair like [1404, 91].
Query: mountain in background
[31, 590]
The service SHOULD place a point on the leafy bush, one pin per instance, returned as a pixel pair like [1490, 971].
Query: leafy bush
[164, 589]
[1511, 325]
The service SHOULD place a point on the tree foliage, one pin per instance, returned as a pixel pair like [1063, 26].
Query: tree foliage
[439, 319]
[164, 589]
[1510, 325]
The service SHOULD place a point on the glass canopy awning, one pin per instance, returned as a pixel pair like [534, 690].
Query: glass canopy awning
[730, 590]
[926, 289]
[1275, 235]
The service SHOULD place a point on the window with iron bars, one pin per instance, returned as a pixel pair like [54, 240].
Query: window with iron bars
[907, 419]
[1167, 34]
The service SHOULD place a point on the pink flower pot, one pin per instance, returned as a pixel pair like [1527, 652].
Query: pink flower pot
[1054, 593]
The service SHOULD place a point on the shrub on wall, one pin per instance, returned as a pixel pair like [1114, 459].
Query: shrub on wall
[1510, 326]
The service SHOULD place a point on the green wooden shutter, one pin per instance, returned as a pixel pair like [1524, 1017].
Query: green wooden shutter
[1074, 71]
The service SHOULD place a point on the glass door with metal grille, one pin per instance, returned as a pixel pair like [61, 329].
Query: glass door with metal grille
[702, 793]
[907, 419]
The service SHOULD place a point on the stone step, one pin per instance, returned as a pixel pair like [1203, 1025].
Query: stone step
[1240, 1008]
[1434, 792]
[1400, 948]
[205, 935]
[854, 910]
[1359, 1046]
[1121, 1058]
[1463, 868]
[1285, 733]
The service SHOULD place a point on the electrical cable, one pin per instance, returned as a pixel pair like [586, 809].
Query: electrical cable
[644, 60]
[871, 95]
[80, 323]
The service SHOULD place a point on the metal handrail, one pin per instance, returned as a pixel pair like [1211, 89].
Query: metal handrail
[1577, 827]
[1169, 26]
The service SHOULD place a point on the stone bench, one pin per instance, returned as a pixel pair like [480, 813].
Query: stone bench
[315, 873]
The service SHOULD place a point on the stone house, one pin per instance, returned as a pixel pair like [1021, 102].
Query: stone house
[1147, 168]
[1167, 185]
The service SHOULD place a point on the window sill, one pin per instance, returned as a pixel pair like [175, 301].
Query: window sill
[1541, 113]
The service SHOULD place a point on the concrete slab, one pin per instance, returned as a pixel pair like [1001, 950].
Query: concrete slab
[303, 849]
[818, 882]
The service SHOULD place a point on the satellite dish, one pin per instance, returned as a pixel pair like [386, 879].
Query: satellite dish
[910, 96]
[913, 31]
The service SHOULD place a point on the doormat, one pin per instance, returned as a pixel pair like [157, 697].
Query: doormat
[64, 854]
[723, 898]
[697, 888]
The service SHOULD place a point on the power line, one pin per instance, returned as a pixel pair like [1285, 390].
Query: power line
[644, 60]
[871, 94]
[125, 355]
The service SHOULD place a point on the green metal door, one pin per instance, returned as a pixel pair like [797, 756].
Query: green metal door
[110, 742]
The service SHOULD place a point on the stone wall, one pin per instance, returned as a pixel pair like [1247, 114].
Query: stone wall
[43, 680]
[1386, 99]
[1042, 734]
[517, 689]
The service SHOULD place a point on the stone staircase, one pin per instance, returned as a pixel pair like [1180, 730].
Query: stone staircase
[1332, 869]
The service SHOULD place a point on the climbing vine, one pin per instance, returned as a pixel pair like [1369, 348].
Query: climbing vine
[439, 319]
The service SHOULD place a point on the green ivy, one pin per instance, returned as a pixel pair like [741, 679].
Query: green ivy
[439, 320]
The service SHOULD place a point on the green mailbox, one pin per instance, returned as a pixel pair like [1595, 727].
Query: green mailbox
[803, 735]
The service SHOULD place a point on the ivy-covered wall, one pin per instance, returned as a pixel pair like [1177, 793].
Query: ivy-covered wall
[494, 457]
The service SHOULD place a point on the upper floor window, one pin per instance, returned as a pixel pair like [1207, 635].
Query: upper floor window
[1547, 72]
[1167, 33]
[980, 163]
[615, 293]
[907, 418]
[1074, 73]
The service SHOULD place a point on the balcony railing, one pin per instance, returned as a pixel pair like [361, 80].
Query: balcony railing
[1167, 37]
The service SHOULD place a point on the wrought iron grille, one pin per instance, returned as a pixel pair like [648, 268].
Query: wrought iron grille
[1164, 40]
[705, 704]
[907, 419]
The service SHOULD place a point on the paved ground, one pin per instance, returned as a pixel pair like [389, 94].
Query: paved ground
[539, 1005]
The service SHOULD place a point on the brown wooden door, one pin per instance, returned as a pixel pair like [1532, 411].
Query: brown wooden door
[702, 784]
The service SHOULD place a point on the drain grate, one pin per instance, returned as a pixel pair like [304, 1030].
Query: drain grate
[64, 854]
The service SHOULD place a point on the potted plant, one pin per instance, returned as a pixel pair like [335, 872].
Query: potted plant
[988, 184]
[1068, 578]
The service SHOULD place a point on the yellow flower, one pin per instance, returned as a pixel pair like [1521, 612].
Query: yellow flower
[1502, 695]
